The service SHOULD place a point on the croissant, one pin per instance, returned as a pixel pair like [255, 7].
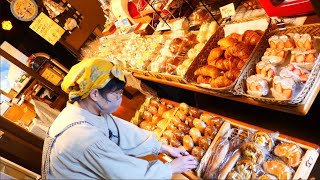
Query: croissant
[240, 50]
[227, 64]
[226, 42]
[232, 74]
[203, 79]
[235, 36]
[220, 81]
[251, 37]
[215, 54]
[207, 70]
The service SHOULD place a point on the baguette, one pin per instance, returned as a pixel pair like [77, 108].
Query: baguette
[229, 165]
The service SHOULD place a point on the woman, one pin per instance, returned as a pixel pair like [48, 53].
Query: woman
[86, 141]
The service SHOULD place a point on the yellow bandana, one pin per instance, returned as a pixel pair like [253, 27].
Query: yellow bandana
[90, 74]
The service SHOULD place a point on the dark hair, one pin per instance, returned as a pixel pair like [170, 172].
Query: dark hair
[113, 85]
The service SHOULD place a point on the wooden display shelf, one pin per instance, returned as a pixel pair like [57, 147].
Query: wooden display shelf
[300, 109]
[192, 174]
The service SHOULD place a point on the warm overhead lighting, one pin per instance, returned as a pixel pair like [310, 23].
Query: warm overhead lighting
[6, 25]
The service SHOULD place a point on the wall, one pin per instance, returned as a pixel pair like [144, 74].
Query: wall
[93, 16]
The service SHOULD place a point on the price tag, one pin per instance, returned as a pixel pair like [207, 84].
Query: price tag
[227, 10]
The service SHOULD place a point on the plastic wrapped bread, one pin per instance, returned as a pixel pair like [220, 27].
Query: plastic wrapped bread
[283, 88]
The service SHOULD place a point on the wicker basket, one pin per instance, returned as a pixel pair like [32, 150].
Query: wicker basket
[140, 72]
[240, 87]
[169, 77]
[201, 59]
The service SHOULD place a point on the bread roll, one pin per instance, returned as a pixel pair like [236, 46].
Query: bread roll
[178, 134]
[181, 115]
[289, 153]
[184, 108]
[194, 112]
[204, 79]
[189, 121]
[195, 134]
[168, 134]
[174, 142]
[188, 143]
[199, 124]
[176, 121]
[210, 131]
[278, 169]
[164, 140]
[204, 142]
[267, 177]
[197, 152]
[234, 175]
[184, 128]
[246, 168]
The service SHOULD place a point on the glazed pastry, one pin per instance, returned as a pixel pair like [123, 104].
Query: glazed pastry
[226, 42]
[256, 86]
[246, 168]
[210, 131]
[188, 143]
[227, 64]
[207, 70]
[278, 169]
[199, 124]
[289, 153]
[263, 139]
[295, 72]
[232, 74]
[204, 142]
[252, 152]
[266, 70]
[220, 82]
[215, 54]
[251, 37]
[229, 165]
[282, 88]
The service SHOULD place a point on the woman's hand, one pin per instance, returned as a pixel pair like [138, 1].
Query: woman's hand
[172, 151]
[183, 164]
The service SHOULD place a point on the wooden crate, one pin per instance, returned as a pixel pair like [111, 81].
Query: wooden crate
[301, 172]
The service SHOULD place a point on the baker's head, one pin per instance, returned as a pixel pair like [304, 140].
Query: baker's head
[98, 80]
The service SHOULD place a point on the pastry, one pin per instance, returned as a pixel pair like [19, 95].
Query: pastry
[215, 54]
[278, 169]
[246, 168]
[252, 152]
[227, 64]
[251, 37]
[234, 175]
[195, 134]
[292, 71]
[188, 143]
[289, 153]
[207, 70]
[267, 177]
[256, 86]
[281, 42]
[240, 50]
[263, 139]
[226, 42]
[266, 70]
[220, 82]
[199, 16]
[204, 79]
[303, 59]
[303, 41]
[282, 88]
[232, 74]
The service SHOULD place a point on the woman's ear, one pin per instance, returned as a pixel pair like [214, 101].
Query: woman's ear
[94, 94]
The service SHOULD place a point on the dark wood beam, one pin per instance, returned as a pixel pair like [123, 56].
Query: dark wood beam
[32, 73]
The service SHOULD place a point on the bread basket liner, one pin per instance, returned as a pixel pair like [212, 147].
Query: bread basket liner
[240, 87]
[201, 59]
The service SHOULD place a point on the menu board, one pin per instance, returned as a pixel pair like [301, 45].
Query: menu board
[47, 28]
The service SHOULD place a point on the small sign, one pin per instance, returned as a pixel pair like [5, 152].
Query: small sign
[227, 10]
[47, 28]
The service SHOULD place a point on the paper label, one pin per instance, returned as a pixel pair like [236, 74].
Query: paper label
[47, 28]
[227, 10]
